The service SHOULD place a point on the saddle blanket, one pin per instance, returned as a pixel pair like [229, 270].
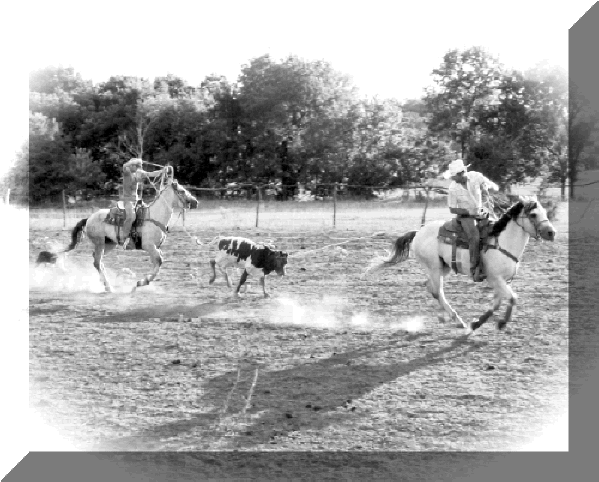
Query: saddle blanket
[452, 232]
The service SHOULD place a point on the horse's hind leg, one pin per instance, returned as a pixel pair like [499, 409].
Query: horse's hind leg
[512, 299]
[99, 265]
[435, 287]
[447, 307]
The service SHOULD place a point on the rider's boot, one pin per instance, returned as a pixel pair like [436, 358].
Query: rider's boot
[129, 243]
[476, 268]
[125, 238]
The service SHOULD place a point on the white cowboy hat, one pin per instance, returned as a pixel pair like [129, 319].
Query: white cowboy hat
[136, 161]
[454, 168]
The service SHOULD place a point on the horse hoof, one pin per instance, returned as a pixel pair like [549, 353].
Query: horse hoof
[501, 325]
[475, 325]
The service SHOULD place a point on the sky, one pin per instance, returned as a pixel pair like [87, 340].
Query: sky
[389, 48]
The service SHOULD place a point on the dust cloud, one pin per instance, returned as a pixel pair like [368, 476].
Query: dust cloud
[332, 313]
[68, 275]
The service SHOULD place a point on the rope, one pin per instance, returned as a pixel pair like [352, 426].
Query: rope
[303, 252]
[299, 253]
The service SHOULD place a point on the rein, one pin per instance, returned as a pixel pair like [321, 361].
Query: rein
[535, 224]
[507, 253]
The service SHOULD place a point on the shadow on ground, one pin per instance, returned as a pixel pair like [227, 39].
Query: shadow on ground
[306, 397]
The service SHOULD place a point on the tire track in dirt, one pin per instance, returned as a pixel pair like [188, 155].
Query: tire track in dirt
[155, 369]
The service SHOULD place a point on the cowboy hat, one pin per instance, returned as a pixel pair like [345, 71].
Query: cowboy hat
[454, 168]
[137, 161]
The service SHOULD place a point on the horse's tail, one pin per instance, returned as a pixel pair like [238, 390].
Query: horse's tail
[76, 235]
[399, 253]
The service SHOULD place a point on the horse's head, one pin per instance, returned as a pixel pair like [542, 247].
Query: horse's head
[535, 220]
[183, 198]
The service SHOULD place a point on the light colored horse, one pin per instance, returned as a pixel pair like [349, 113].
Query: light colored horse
[507, 241]
[153, 231]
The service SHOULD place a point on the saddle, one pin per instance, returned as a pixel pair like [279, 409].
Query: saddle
[117, 214]
[453, 234]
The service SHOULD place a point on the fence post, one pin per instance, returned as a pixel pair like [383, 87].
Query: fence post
[425, 206]
[64, 210]
[258, 204]
[335, 205]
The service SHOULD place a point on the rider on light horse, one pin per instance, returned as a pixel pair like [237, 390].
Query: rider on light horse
[465, 199]
[133, 174]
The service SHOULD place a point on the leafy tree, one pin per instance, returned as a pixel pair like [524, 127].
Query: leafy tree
[86, 173]
[550, 113]
[502, 122]
[48, 167]
[582, 123]
[57, 80]
[17, 177]
[294, 115]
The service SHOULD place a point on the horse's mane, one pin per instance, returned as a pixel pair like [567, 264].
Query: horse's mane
[513, 212]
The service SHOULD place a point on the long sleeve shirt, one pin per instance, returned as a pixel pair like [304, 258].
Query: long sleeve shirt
[131, 181]
[469, 197]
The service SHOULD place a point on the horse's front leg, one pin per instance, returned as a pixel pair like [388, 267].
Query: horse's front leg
[512, 300]
[98, 254]
[156, 259]
[500, 290]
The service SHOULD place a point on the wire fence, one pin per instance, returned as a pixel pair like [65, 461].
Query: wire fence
[260, 197]
[254, 204]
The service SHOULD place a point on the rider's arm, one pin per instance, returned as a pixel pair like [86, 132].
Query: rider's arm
[151, 174]
[459, 211]
[481, 180]
[128, 164]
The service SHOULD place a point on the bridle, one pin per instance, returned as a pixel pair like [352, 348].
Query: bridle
[180, 195]
[535, 223]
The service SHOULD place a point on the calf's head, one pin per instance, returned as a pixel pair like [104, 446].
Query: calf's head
[280, 262]
[274, 261]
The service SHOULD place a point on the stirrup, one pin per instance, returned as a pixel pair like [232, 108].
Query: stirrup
[477, 275]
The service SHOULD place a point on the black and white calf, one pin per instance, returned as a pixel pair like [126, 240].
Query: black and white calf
[255, 259]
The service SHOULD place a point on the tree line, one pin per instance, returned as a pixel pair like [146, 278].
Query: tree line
[293, 121]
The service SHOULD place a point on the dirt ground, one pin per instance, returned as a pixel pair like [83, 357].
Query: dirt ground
[332, 361]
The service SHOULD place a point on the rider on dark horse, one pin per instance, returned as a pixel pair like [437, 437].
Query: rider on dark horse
[133, 175]
[465, 199]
